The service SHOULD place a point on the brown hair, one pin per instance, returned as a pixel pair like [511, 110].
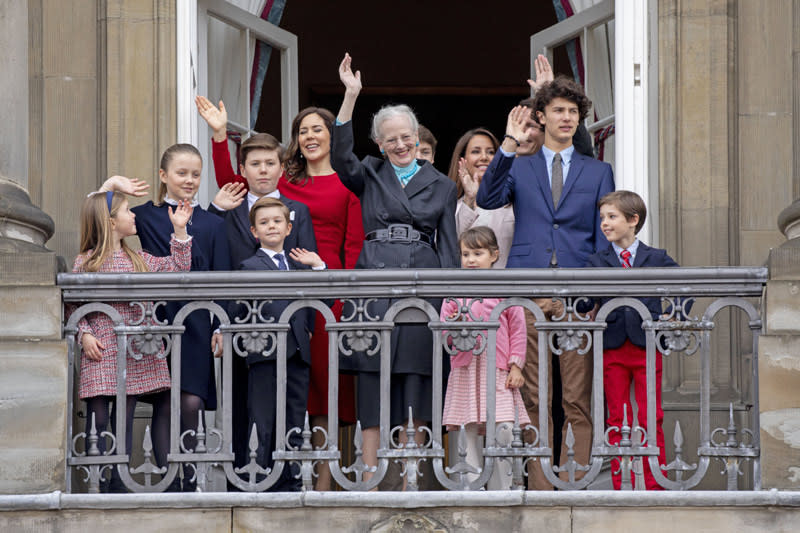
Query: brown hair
[629, 204]
[461, 148]
[294, 163]
[562, 87]
[530, 102]
[97, 239]
[166, 159]
[426, 136]
[479, 237]
[260, 141]
[268, 201]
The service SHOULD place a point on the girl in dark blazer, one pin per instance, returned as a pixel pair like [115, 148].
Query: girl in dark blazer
[408, 209]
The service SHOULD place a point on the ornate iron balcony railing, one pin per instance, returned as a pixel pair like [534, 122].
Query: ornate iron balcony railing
[679, 333]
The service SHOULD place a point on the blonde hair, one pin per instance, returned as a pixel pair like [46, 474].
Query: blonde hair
[97, 236]
[166, 159]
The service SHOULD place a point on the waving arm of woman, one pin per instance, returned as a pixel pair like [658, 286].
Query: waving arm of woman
[352, 88]
[351, 171]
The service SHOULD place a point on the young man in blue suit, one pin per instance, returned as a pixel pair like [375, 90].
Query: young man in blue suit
[261, 167]
[269, 219]
[554, 194]
[622, 215]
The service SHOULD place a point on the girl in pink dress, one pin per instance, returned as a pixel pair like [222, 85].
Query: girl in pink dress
[465, 399]
[106, 220]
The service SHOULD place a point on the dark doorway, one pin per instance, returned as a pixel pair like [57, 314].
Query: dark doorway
[459, 65]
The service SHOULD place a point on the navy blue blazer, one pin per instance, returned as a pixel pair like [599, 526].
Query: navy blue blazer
[301, 323]
[241, 241]
[572, 230]
[624, 322]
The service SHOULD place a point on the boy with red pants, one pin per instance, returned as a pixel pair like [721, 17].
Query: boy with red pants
[622, 215]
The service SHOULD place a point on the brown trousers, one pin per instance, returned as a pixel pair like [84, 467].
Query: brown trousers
[576, 383]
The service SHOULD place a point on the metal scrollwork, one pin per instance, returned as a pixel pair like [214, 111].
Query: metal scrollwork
[359, 340]
[263, 342]
[359, 467]
[569, 340]
[678, 308]
[464, 339]
[411, 460]
[94, 472]
[678, 340]
[150, 341]
[678, 465]
[732, 453]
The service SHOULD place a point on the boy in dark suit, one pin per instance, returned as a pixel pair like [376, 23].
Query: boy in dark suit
[622, 215]
[261, 167]
[269, 221]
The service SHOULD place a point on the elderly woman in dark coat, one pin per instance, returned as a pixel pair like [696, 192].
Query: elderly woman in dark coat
[408, 208]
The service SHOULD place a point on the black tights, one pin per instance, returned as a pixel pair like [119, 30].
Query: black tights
[191, 405]
[159, 430]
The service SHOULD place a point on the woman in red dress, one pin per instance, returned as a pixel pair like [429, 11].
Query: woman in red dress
[336, 216]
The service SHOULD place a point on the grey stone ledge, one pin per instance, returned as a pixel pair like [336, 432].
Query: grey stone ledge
[406, 500]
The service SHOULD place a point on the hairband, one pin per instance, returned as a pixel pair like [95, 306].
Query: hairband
[109, 197]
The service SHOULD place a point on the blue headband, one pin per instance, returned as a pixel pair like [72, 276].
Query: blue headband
[109, 197]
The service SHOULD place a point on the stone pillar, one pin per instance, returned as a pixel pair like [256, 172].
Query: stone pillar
[14, 90]
[138, 69]
[779, 360]
[64, 102]
[33, 357]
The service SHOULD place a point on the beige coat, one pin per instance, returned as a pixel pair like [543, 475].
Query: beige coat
[502, 223]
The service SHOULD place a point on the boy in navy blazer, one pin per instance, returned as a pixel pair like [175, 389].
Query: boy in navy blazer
[554, 193]
[269, 219]
[261, 167]
[622, 215]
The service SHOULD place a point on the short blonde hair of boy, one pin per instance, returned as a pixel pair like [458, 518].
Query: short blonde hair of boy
[629, 204]
[267, 201]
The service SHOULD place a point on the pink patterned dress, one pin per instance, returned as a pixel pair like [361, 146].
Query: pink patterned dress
[148, 374]
[465, 399]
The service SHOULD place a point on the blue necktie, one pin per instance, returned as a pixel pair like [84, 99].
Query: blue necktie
[281, 262]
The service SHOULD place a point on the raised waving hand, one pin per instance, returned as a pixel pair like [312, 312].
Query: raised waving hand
[180, 217]
[544, 73]
[215, 117]
[129, 186]
[352, 87]
[469, 182]
[230, 196]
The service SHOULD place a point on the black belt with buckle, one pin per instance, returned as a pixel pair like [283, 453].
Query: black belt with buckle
[399, 232]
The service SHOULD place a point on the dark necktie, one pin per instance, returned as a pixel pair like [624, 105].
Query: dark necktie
[557, 179]
[281, 262]
[626, 258]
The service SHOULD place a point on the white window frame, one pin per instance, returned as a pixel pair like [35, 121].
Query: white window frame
[635, 86]
[192, 75]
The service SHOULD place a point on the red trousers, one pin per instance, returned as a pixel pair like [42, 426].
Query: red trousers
[621, 366]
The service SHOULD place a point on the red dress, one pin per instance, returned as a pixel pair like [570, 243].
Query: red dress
[336, 218]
